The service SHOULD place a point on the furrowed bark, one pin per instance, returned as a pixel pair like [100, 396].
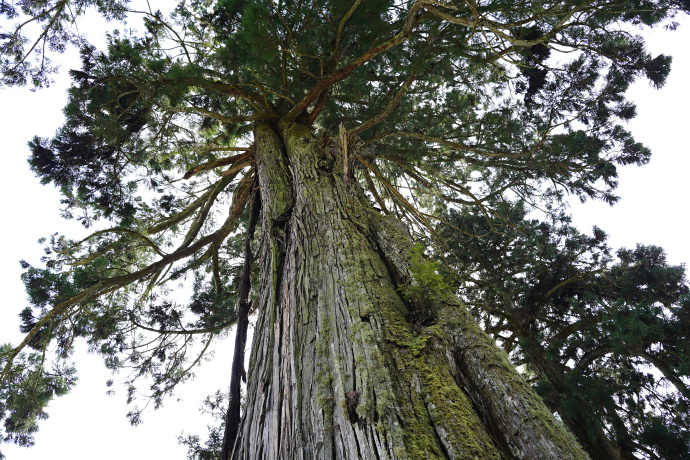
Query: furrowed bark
[337, 371]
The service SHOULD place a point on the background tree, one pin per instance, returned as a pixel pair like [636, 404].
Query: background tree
[604, 337]
[427, 94]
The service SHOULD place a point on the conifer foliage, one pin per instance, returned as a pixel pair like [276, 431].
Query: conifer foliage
[455, 117]
[603, 336]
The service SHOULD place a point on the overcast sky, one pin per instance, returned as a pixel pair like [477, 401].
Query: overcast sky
[87, 423]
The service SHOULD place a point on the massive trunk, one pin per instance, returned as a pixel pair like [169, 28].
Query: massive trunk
[337, 370]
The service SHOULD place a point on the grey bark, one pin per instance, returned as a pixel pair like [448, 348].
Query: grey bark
[337, 372]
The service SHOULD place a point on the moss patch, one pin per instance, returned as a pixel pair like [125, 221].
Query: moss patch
[429, 394]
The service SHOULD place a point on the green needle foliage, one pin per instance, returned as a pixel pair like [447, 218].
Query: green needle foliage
[604, 336]
[453, 111]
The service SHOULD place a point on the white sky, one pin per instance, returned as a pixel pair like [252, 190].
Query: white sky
[654, 205]
[87, 423]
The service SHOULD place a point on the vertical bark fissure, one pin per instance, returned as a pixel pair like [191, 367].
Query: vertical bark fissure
[507, 402]
[480, 409]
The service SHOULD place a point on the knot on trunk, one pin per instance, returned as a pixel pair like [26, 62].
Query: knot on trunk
[351, 402]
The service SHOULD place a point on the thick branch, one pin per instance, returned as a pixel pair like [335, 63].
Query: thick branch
[217, 163]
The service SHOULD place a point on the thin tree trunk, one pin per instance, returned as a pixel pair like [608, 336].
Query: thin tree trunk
[233, 417]
[337, 372]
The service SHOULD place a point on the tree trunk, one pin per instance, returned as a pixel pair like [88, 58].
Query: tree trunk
[337, 372]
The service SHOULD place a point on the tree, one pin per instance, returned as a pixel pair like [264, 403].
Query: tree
[296, 118]
[589, 327]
